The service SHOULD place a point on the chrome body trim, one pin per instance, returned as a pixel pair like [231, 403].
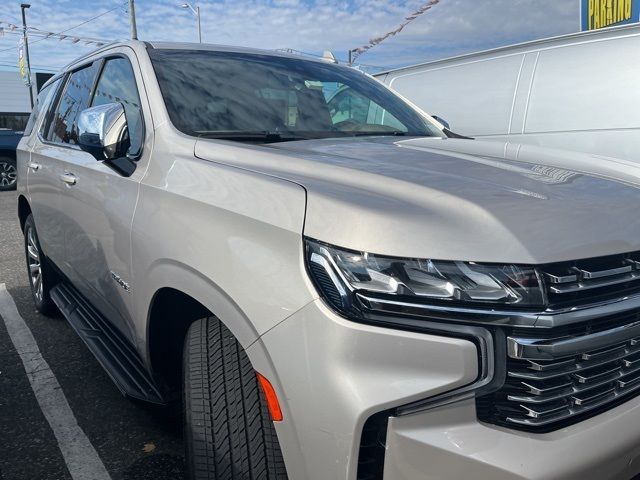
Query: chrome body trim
[548, 318]
[597, 282]
[560, 278]
[546, 349]
[603, 273]
[489, 371]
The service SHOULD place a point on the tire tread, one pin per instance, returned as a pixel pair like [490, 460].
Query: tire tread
[228, 431]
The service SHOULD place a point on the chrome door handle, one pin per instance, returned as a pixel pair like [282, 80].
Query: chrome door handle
[34, 166]
[69, 178]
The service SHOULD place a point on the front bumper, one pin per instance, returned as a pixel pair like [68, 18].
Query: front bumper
[332, 374]
[450, 443]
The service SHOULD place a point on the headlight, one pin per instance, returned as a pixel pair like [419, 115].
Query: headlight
[340, 274]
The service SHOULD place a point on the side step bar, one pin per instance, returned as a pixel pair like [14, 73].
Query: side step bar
[112, 350]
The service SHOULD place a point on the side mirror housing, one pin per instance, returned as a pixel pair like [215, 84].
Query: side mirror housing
[103, 131]
[442, 121]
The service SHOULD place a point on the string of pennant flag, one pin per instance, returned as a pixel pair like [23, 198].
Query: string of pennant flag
[12, 28]
[356, 52]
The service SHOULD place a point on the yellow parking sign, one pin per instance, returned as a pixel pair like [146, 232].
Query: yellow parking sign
[597, 14]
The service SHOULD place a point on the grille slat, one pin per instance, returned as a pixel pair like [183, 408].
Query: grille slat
[589, 275]
[591, 284]
[607, 353]
[557, 396]
[546, 388]
[562, 372]
[573, 366]
[541, 395]
[611, 372]
[584, 399]
[578, 281]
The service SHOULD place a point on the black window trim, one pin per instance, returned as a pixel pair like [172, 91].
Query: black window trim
[43, 113]
[102, 60]
[46, 116]
[56, 101]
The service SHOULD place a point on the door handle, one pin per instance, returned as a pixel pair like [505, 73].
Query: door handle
[34, 166]
[69, 178]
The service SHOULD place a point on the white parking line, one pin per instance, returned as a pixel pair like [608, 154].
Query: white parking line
[81, 458]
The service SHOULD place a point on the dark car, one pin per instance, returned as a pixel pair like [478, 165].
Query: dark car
[8, 174]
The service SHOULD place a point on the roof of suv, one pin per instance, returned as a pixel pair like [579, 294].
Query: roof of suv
[189, 46]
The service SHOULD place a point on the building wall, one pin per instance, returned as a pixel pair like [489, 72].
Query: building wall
[14, 95]
[15, 105]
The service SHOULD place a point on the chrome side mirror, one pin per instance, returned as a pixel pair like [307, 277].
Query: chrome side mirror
[103, 131]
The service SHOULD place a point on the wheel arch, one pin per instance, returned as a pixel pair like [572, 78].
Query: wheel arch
[24, 209]
[170, 314]
[174, 306]
[185, 296]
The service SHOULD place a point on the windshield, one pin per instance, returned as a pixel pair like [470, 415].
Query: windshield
[253, 97]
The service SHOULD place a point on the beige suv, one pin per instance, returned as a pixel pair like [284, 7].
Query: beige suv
[332, 284]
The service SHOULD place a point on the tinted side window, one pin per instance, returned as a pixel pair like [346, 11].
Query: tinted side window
[42, 103]
[350, 107]
[118, 84]
[75, 98]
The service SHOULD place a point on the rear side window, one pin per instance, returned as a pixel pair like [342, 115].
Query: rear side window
[118, 84]
[42, 103]
[75, 98]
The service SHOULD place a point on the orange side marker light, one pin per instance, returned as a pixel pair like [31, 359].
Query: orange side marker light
[272, 399]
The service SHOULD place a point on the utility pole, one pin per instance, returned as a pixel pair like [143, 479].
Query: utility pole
[23, 7]
[132, 20]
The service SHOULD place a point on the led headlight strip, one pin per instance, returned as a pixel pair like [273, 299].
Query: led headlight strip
[350, 280]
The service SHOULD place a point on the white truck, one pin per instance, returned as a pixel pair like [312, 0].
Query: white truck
[576, 92]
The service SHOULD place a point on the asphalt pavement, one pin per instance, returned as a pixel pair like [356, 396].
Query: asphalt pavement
[132, 440]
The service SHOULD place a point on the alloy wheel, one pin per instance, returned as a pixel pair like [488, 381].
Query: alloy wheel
[35, 268]
[8, 174]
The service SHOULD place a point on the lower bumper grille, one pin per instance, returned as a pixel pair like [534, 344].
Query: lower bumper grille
[544, 391]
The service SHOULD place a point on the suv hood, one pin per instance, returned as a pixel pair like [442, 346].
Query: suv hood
[453, 199]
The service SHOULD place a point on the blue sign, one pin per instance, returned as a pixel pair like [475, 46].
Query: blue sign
[597, 14]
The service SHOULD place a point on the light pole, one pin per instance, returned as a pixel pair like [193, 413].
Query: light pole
[23, 7]
[196, 12]
[132, 20]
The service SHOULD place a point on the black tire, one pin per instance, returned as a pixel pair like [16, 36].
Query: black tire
[40, 290]
[8, 174]
[228, 432]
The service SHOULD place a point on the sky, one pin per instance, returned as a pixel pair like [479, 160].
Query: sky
[452, 27]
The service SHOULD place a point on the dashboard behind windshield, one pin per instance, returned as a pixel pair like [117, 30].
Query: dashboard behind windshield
[242, 96]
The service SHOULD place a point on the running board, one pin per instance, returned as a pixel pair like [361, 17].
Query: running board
[112, 350]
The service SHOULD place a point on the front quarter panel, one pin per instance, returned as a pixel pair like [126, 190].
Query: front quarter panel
[230, 238]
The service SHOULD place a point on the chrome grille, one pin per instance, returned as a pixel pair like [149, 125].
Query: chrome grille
[544, 391]
[575, 282]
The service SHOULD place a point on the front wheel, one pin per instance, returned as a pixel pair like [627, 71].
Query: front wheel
[228, 432]
[41, 276]
[8, 174]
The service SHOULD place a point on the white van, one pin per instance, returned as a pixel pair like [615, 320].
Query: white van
[578, 92]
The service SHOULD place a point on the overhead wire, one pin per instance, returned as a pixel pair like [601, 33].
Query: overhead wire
[50, 35]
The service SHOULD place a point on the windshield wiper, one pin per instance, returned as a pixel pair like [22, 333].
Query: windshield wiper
[378, 134]
[251, 136]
